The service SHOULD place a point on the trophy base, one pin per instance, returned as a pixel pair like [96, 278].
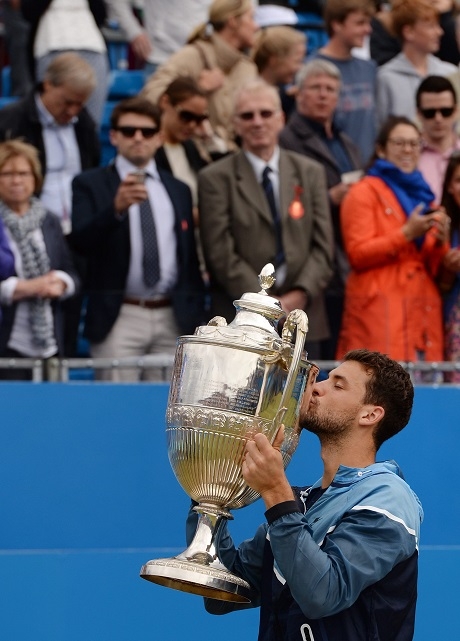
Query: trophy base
[195, 578]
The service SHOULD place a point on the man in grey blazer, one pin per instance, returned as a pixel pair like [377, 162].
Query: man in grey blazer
[241, 231]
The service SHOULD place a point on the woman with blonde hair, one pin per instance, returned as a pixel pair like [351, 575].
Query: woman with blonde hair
[44, 274]
[215, 56]
[279, 53]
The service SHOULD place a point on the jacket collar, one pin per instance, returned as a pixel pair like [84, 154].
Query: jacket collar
[349, 475]
[226, 56]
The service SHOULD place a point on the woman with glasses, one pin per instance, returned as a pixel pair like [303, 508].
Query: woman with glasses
[395, 239]
[184, 113]
[43, 270]
[188, 141]
[215, 56]
[450, 277]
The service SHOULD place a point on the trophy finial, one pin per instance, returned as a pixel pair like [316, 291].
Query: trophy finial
[267, 278]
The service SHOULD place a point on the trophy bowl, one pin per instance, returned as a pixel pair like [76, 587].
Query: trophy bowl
[229, 382]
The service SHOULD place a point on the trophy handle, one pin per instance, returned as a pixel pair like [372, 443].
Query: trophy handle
[296, 320]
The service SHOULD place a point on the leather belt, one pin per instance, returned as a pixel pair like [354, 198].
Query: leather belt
[153, 303]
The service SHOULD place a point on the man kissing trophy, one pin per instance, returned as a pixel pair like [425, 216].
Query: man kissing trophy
[229, 382]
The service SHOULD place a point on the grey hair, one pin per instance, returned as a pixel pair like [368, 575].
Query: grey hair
[254, 87]
[317, 67]
[70, 69]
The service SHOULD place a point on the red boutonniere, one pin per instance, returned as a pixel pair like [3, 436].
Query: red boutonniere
[296, 209]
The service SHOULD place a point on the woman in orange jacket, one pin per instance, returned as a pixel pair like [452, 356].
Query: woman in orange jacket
[396, 242]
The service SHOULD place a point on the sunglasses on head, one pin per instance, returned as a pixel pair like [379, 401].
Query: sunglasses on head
[445, 112]
[130, 132]
[189, 116]
[265, 114]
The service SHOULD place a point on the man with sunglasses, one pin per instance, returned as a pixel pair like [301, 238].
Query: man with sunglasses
[416, 24]
[266, 205]
[134, 221]
[437, 111]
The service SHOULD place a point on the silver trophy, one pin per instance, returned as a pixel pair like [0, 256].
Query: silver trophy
[229, 382]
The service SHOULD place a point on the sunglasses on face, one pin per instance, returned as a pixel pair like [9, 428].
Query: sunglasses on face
[265, 114]
[189, 116]
[445, 112]
[130, 132]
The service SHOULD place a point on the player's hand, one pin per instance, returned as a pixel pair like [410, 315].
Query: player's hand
[263, 469]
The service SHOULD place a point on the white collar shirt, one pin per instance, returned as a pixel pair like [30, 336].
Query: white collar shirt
[163, 213]
[259, 165]
[62, 164]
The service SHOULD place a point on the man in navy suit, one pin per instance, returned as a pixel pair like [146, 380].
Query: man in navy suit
[130, 312]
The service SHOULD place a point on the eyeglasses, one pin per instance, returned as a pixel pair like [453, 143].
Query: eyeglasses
[400, 143]
[445, 112]
[189, 116]
[130, 132]
[15, 174]
[332, 89]
[265, 114]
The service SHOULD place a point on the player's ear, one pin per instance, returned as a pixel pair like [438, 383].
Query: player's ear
[371, 415]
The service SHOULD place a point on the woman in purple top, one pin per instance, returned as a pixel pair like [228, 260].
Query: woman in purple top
[6, 256]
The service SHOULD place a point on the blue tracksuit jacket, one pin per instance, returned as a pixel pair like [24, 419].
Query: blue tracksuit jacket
[343, 570]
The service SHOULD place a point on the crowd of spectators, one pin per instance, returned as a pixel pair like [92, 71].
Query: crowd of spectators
[244, 147]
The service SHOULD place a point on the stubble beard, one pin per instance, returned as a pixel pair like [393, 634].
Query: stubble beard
[329, 429]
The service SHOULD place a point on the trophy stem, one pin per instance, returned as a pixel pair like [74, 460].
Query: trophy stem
[198, 570]
[202, 549]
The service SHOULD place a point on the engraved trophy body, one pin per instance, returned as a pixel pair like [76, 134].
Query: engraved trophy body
[229, 382]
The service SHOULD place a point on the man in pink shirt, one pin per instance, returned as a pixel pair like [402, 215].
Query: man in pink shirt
[438, 114]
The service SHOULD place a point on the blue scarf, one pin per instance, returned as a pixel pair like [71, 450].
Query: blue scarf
[410, 189]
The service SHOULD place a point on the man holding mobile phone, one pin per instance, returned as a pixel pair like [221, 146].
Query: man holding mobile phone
[135, 223]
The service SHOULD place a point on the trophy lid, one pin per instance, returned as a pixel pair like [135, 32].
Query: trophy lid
[254, 305]
[255, 322]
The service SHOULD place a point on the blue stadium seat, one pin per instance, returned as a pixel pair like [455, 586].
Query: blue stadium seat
[313, 27]
[125, 83]
[107, 150]
[7, 100]
[117, 45]
[6, 81]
